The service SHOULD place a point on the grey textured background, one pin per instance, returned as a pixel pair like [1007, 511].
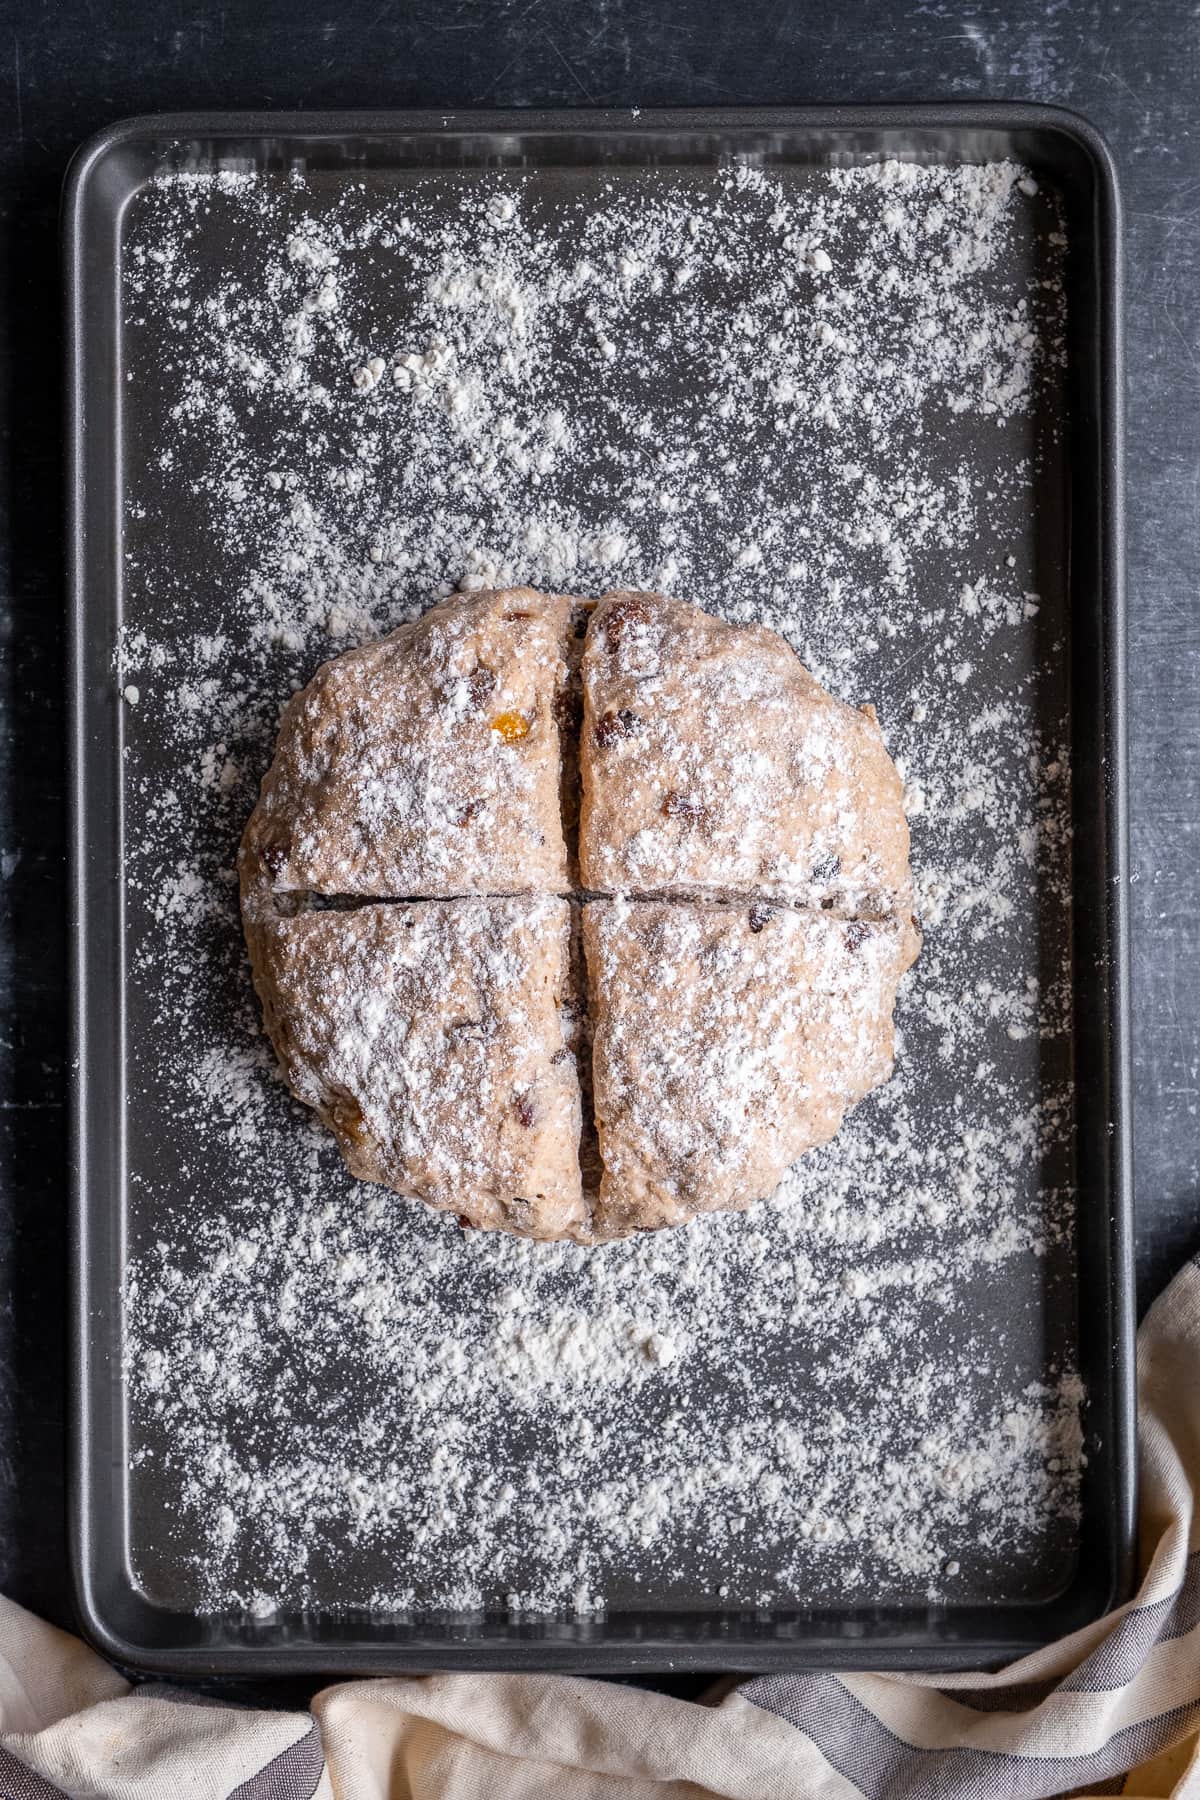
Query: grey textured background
[67, 69]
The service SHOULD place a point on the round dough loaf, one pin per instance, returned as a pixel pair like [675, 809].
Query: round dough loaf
[417, 920]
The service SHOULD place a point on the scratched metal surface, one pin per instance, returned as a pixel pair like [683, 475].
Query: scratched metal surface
[66, 70]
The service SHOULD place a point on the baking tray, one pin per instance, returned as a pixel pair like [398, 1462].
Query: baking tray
[139, 1623]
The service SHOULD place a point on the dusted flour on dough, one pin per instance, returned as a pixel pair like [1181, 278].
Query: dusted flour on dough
[432, 1038]
[713, 763]
[729, 1040]
[426, 763]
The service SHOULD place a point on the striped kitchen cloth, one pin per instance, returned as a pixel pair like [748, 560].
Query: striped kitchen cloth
[1115, 1709]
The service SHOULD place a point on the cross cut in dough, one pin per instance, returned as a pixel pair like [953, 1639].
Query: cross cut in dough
[457, 812]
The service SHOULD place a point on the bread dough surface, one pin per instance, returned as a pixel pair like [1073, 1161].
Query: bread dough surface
[713, 763]
[426, 764]
[728, 1040]
[432, 1040]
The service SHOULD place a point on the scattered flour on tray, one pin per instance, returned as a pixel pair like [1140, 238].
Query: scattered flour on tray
[818, 399]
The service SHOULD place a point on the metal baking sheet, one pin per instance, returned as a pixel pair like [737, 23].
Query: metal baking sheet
[146, 1173]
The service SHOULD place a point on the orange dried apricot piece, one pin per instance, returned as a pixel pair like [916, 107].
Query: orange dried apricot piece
[511, 726]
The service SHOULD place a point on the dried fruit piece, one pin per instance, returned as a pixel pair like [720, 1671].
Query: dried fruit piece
[620, 616]
[511, 726]
[684, 806]
[480, 684]
[759, 914]
[348, 1118]
[469, 1030]
[857, 933]
[615, 725]
[523, 1107]
[275, 856]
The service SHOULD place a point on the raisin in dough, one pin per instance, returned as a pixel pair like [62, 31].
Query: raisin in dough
[713, 763]
[425, 764]
[432, 1040]
[728, 1041]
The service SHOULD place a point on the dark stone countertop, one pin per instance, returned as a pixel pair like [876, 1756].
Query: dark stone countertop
[67, 70]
